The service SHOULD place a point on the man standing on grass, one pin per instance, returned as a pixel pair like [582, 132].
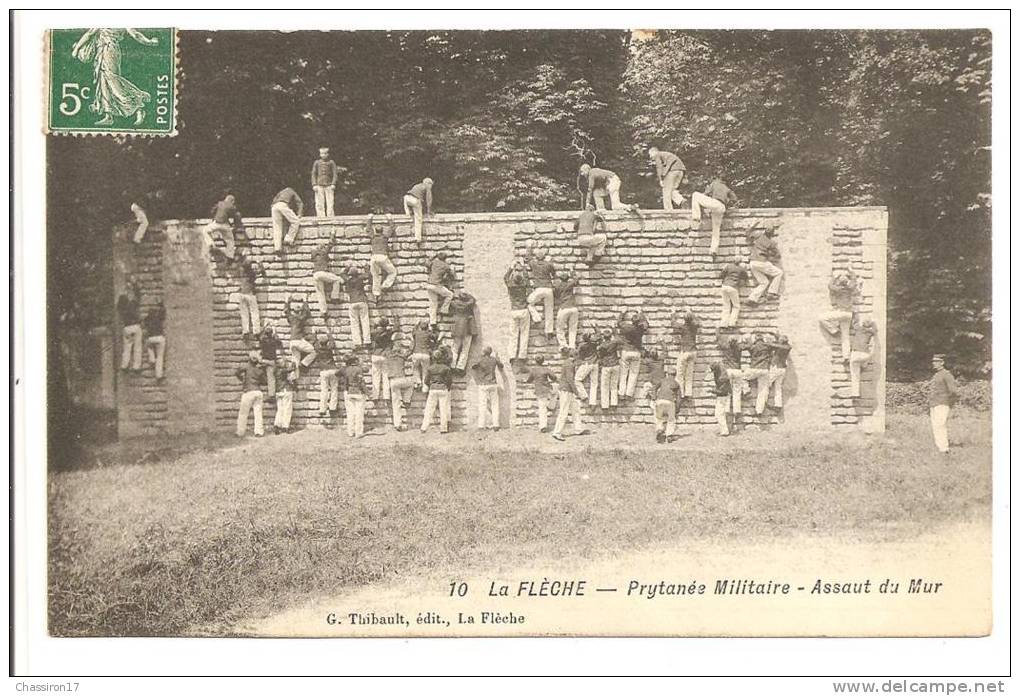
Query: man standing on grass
[155, 340]
[777, 368]
[608, 353]
[764, 257]
[567, 314]
[329, 376]
[685, 331]
[942, 394]
[131, 321]
[354, 280]
[518, 288]
[731, 346]
[400, 383]
[633, 327]
[418, 205]
[250, 377]
[298, 315]
[488, 372]
[384, 273]
[670, 171]
[440, 382]
[541, 378]
[542, 273]
[324, 176]
[590, 228]
[352, 381]
[322, 276]
[588, 368]
[287, 207]
[569, 402]
[760, 354]
[715, 199]
[424, 340]
[437, 286]
[843, 289]
[667, 398]
[286, 378]
[722, 388]
[382, 344]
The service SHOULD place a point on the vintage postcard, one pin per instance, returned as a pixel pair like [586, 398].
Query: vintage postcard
[546, 332]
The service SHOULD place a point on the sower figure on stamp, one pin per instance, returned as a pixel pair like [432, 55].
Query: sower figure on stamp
[570, 404]
[355, 279]
[685, 325]
[632, 328]
[131, 323]
[941, 397]
[226, 221]
[567, 315]
[330, 363]
[588, 368]
[590, 228]
[488, 374]
[286, 209]
[464, 309]
[113, 94]
[862, 351]
[542, 379]
[843, 289]
[518, 287]
[384, 273]
[731, 275]
[764, 257]
[324, 177]
[382, 343]
[425, 339]
[250, 376]
[440, 382]
[670, 171]
[322, 276]
[599, 187]
[352, 382]
[716, 198]
[418, 205]
[401, 384]
[437, 287]
[298, 314]
[777, 368]
[269, 350]
[155, 338]
[287, 379]
[541, 272]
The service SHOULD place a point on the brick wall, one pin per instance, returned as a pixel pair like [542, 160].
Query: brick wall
[654, 261]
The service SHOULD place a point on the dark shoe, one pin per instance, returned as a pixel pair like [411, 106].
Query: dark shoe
[557, 436]
[543, 430]
[660, 437]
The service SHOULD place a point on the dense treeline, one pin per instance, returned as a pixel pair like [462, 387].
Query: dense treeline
[501, 121]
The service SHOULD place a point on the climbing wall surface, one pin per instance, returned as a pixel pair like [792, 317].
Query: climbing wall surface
[655, 261]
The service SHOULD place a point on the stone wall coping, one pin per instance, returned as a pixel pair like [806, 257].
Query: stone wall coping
[557, 215]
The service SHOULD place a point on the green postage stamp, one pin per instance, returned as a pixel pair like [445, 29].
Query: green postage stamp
[112, 81]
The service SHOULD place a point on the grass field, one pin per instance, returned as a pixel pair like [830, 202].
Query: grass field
[161, 543]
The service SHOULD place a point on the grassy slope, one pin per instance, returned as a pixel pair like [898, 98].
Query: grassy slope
[211, 536]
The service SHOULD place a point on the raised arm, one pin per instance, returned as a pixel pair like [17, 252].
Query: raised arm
[141, 38]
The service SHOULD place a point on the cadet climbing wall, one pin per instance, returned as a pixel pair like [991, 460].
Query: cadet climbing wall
[655, 261]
